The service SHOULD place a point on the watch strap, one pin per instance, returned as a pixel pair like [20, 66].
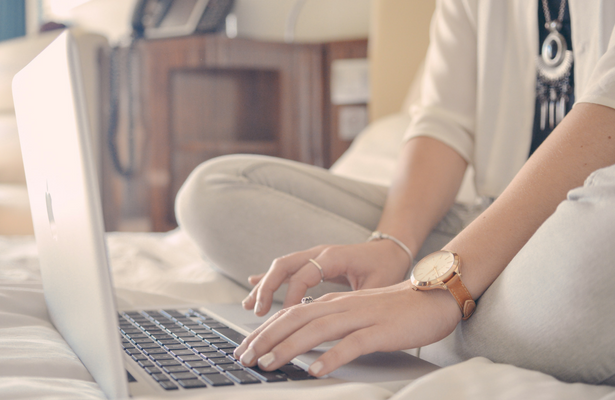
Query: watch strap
[462, 296]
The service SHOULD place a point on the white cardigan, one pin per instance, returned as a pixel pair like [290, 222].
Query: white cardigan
[478, 90]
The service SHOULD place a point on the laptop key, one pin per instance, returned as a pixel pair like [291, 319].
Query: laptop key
[295, 373]
[182, 352]
[208, 336]
[226, 348]
[130, 330]
[168, 341]
[206, 370]
[268, 376]
[174, 313]
[183, 375]
[135, 336]
[217, 380]
[164, 356]
[243, 377]
[231, 367]
[150, 345]
[175, 346]
[145, 364]
[221, 361]
[192, 340]
[191, 384]
[156, 351]
[160, 377]
[175, 368]
[168, 385]
[192, 357]
[153, 370]
[164, 363]
[232, 335]
[198, 364]
[205, 350]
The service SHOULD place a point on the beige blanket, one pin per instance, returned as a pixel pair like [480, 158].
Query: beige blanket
[166, 269]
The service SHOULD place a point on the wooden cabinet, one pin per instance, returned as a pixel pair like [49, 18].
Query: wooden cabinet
[204, 96]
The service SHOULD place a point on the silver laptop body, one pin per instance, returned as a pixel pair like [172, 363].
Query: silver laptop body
[65, 202]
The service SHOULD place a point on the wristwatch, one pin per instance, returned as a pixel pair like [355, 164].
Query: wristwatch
[440, 270]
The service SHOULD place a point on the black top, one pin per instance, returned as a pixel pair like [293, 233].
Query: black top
[539, 135]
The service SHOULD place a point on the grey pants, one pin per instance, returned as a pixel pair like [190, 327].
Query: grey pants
[243, 211]
[553, 307]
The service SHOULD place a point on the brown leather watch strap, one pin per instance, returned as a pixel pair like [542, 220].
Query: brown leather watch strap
[461, 294]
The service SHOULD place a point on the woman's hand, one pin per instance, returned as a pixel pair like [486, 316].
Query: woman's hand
[362, 266]
[387, 319]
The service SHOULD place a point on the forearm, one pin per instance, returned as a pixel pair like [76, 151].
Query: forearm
[581, 144]
[428, 177]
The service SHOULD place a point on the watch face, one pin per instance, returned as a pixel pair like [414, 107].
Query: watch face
[433, 269]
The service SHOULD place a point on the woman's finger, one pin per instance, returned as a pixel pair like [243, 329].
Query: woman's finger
[320, 330]
[285, 322]
[308, 276]
[281, 270]
[250, 300]
[254, 279]
[357, 343]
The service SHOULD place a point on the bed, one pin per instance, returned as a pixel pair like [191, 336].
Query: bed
[166, 269]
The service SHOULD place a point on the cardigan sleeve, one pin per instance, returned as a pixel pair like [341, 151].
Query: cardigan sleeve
[601, 86]
[447, 107]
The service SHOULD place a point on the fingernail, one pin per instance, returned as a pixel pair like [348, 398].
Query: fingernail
[266, 360]
[248, 357]
[316, 367]
[258, 308]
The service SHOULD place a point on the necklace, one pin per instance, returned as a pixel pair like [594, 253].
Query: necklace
[554, 65]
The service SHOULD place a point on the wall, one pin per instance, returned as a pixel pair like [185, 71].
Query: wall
[398, 43]
[319, 20]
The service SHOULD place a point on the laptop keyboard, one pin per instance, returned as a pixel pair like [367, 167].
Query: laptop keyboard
[192, 350]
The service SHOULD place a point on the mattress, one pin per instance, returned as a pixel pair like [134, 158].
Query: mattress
[166, 269]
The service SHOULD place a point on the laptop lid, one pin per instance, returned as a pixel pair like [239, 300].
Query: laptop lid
[64, 198]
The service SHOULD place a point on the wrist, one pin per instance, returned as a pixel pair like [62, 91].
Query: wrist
[442, 270]
[377, 235]
[392, 257]
[439, 306]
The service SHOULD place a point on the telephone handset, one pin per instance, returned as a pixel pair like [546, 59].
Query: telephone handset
[166, 18]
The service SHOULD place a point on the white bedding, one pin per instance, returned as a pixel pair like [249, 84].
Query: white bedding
[166, 269]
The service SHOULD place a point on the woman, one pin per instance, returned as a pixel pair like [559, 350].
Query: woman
[482, 94]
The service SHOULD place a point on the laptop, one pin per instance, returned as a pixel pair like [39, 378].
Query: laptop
[162, 351]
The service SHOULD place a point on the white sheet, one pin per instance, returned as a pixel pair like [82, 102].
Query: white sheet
[166, 269]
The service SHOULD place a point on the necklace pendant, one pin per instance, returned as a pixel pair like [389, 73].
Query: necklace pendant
[553, 49]
[554, 66]
[560, 110]
[543, 115]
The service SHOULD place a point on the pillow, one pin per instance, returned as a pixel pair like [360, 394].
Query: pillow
[373, 154]
[553, 307]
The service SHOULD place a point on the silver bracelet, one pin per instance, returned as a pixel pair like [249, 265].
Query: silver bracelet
[376, 235]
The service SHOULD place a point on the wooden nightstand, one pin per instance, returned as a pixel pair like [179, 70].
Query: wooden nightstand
[203, 96]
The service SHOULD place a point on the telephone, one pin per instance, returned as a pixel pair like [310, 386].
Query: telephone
[166, 18]
[154, 19]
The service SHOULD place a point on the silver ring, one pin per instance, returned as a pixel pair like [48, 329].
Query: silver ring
[307, 300]
[322, 274]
